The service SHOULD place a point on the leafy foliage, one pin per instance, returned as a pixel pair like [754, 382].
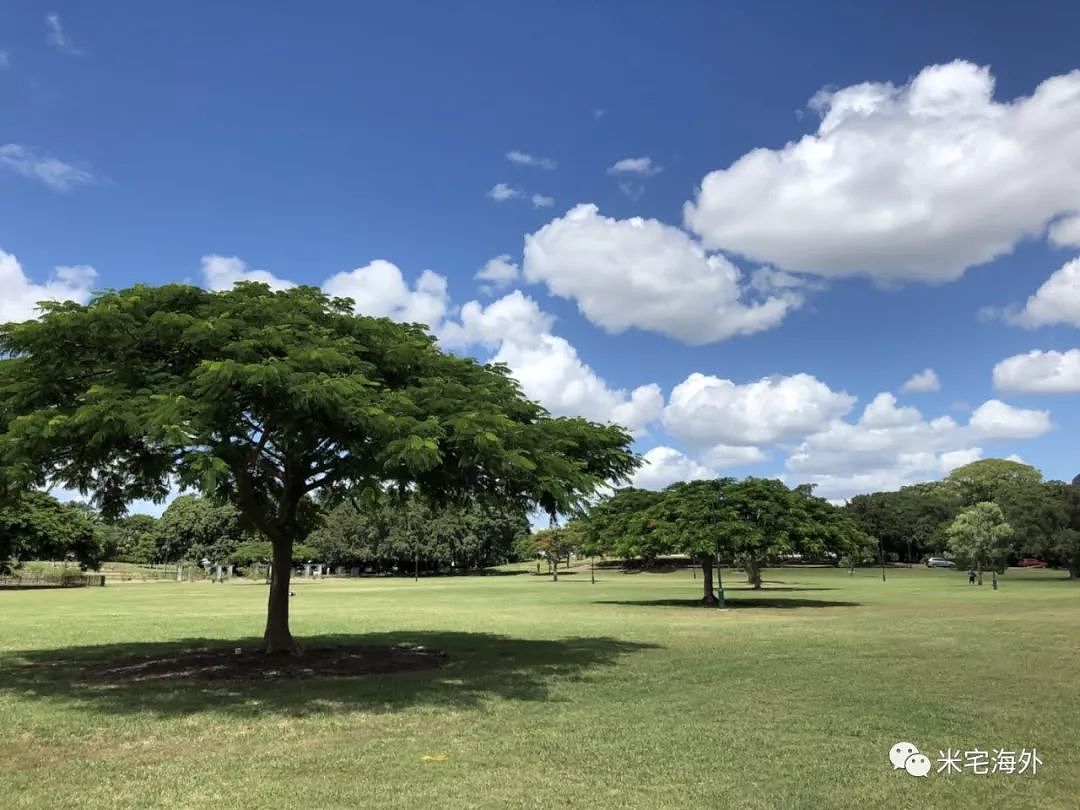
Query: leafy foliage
[989, 479]
[193, 528]
[393, 532]
[750, 522]
[261, 398]
[36, 526]
[979, 536]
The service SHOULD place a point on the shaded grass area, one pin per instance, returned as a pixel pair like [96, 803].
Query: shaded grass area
[622, 694]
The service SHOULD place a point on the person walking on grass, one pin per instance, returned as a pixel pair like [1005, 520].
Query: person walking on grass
[971, 577]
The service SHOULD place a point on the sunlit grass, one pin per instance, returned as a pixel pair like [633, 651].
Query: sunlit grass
[619, 694]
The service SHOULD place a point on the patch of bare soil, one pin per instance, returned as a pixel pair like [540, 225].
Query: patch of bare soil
[228, 664]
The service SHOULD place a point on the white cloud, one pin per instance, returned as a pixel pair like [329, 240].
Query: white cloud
[58, 37]
[21, 295]
[499, 272]
[645, 274]
[642, 166]
[923, 382]
[1065, 232]
[525, 159]
[56, 174]
[997, 420]
[1039, 372]
[379, 289]
[726, 455]
[704, 410]
[899, 183]
[501, 192]
[222, 272]
[890, 446]
[541, 201]
[514, 318]
[547, 366]
[882, 412]
[1056, 301]
[665, 465]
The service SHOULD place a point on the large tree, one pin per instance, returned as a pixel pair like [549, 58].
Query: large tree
[262, 398]
[990, 479]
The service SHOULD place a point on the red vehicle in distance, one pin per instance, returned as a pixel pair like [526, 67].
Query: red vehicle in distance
[1031, 562]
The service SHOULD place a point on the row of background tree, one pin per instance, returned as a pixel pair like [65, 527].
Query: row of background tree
[752, 522]
[1043, 516]
[385, 535]
[987, 514]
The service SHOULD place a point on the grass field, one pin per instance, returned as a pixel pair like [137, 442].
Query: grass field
[619, 694]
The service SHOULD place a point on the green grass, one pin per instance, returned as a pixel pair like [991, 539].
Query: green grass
[558, 694]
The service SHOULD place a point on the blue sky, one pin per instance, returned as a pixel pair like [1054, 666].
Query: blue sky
[916, 181]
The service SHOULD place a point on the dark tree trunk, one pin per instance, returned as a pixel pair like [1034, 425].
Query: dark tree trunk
[554, 569]
[753, 574]
[979, 571]
[277, 638]
[708, 595]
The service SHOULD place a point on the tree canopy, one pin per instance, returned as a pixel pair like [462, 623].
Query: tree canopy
[387, 533]
[261, 398]
[39, 527]
[989, 478]
[750, 522]
[979, 536]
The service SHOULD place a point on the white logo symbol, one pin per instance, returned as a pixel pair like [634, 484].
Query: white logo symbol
[917, 765]
[905, 756]
[900, 752]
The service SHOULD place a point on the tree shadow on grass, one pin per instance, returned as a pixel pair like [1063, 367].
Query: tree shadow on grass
[480, 666]
[738, 603]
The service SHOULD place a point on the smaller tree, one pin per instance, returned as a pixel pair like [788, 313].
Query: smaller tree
[555, 544]
[764, 518]
[619, 525]
[979, 537]
[691, 518]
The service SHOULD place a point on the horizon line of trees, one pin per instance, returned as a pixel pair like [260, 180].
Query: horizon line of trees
[748, 523]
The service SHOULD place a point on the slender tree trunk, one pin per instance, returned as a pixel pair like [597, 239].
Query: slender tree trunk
[277, 638]
[554, 569]
[978, 570]
[708, 594]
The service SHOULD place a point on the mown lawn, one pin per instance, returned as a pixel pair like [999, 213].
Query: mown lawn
[562, 694]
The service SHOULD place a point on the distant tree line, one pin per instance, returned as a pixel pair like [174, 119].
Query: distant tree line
[1043, 517]
[379, 535]
[987, 514]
